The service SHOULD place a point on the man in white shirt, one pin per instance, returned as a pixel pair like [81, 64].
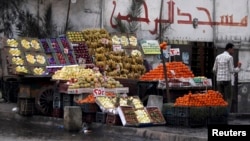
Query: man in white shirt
[224, 69]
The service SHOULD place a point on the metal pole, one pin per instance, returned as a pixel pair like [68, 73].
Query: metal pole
[163, 57]
[67, 18]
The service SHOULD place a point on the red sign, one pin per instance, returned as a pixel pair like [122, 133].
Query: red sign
[99, 92]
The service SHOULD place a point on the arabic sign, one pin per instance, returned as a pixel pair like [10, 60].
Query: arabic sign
[150, 47]
[181, 14]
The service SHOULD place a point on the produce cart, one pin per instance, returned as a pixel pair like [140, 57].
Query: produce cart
[25, 75]
[146, 88]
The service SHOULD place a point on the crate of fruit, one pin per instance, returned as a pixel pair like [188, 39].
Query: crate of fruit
[127, 115]
[156, 115]
[143, 117]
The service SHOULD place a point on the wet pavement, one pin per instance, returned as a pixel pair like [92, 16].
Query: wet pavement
[35, 128]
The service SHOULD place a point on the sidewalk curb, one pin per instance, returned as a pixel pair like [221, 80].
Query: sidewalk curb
[107, 129]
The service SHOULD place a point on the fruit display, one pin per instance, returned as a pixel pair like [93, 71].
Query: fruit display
[12, 43]
[20, 69]
[58, 52]
[38, 70]
[142, 116]
[81, 51]
[85, 78]
[128, 116]
[13, 51]
[17, 60]
[105, 102]
[68, 50]
[51, 58]
[132, 40]
[30, 44]
[71, 72]
[156, 115]
[94, 38]
[33, 58]
[210, 98]
[117, 64]
[75, 36]
[136, 102]
[174, 70]
[125, 40]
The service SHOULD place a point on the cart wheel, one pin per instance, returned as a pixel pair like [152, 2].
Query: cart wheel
[44, 101]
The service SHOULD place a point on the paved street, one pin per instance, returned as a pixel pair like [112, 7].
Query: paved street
[26, 131]
[14, 127]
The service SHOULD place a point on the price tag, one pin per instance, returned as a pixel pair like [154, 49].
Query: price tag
[66, 51]
[205, 82]
[174, 51]
[99, 92]
[117, 48]
[104, 41]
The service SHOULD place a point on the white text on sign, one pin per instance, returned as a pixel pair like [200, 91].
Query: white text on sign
[99, 92]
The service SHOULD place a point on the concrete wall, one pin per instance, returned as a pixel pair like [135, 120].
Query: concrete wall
[222, 20]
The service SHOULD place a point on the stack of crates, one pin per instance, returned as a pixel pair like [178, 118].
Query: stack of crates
[113, 119]
[101, 117]
[218, 115]
[67, 100]
[185, 116]
[57, 108]
[191, 116]
[168, 112]
[26, 106]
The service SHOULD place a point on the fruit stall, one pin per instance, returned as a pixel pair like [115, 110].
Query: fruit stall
[103, 73]
[27, 67]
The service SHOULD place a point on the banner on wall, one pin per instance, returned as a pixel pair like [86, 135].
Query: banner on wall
[150, 47]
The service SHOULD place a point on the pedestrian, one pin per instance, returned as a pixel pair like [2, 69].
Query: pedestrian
[224, 69]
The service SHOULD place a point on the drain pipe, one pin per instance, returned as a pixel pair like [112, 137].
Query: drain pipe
[102, 7]
[214, 40]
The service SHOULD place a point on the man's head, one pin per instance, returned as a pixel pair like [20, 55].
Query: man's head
[229, 48]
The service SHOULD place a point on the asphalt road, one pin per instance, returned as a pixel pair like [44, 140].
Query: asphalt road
[26, 131]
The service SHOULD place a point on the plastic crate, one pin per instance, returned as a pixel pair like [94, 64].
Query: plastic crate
[217, 120]
[217, 111]
[57, 112]
[190, 122]
[26, 106]
[101, 117]
[192, 112]
[67, 100]
[168, 109]
[182, 111]
[170, 120]
[88, 117]
[113, 119]
[89, 107]
[57, 104]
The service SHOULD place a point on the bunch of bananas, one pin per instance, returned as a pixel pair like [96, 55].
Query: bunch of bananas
[17, 61]
[35, 44]
[12, 43]
[38, 71]
[21, 69]
[25, 43]
[30, 58]
[132, 40]
[40, 59]
[14, 52]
